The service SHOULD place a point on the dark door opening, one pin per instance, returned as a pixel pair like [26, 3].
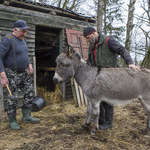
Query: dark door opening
[46, 52]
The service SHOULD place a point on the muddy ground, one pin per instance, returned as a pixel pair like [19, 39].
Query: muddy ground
[61, 129]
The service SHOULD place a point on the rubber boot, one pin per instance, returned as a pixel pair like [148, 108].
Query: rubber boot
[109, 109]
[102, 115]
[27, 118]
[13, 123]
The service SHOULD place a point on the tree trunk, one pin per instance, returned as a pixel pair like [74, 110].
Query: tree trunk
[100, 15]
[146, 62]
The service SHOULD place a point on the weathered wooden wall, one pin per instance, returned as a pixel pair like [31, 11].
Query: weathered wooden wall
[39, 18]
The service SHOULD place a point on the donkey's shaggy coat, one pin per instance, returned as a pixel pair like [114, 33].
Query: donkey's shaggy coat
[114, 85]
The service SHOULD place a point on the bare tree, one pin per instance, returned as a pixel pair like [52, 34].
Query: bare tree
[144, 25]
[100, 15]
[67, 4]
[129, 26]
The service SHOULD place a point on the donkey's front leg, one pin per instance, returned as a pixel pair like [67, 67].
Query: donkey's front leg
[88, 118]
[95, 109]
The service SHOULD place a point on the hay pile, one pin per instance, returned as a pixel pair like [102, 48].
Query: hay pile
[61, 129]
[50, 97]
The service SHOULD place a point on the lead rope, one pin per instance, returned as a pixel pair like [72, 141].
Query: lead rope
[14, 51]
[15, 63]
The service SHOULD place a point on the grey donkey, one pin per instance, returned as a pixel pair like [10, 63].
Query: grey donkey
[114, 85]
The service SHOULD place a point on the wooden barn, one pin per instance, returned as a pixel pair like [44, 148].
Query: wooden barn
[51, 29]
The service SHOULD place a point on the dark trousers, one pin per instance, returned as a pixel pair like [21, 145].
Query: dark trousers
[23, 82]
[106, 113]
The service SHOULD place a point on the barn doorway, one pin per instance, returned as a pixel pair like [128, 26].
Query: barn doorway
[46, 51]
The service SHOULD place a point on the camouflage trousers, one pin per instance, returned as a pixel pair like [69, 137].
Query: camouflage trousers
[23, 82]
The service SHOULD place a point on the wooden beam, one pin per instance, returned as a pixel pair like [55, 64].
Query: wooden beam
[44, 49]
[46, 68]
[34, 75]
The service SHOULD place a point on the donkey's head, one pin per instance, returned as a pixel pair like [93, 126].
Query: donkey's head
[67, 62]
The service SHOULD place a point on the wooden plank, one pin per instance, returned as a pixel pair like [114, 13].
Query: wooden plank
[81, 96]
[46, 68]
[77, 93]
[79, 43]
[5, 23]
[34, 75]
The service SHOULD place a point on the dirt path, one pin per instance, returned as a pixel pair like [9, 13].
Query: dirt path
[61, 129]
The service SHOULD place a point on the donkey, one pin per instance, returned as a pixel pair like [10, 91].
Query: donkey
[114, 85]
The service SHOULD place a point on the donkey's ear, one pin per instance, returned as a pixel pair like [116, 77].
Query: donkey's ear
[70, 48]
[70, 51]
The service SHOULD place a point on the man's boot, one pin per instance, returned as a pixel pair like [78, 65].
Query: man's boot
[13, 123]
[27, 118]
[109, 110]
[101, 115]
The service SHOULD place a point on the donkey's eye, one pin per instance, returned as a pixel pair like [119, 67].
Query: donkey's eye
[66, 65]
[61, 66]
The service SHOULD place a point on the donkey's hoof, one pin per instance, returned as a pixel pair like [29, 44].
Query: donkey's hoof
[146, 131]
[85, 127]
[92, 133]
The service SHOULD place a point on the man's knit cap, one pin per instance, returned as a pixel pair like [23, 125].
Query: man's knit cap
[21, 24]
[88, 30]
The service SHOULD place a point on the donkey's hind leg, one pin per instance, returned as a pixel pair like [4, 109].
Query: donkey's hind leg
[148, 123]
[146, 105]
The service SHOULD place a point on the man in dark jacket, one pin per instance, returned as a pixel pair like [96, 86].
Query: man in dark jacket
[103, 52]
[15, 70]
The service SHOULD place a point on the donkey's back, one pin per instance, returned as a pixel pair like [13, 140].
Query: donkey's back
[122, 84]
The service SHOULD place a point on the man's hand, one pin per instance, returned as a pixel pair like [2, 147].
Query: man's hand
[4, 80]
[134, 67]
[30, 69]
